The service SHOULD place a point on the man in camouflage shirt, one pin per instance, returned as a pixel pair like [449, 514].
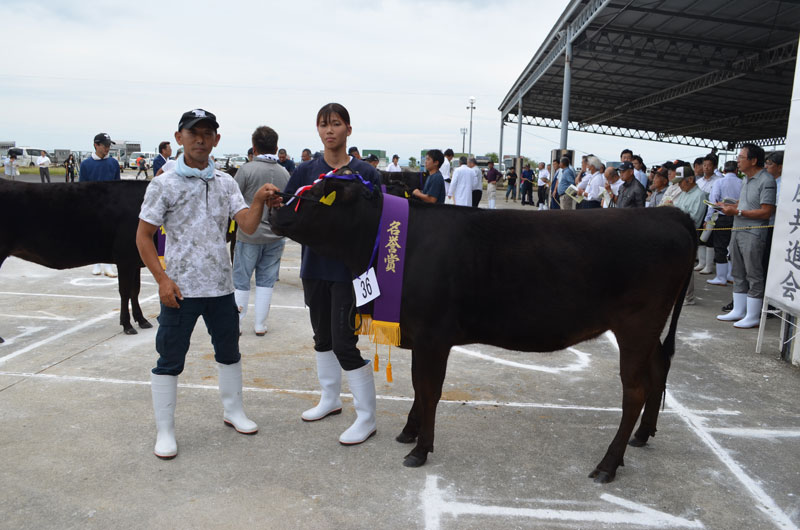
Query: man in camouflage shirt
[193, 202]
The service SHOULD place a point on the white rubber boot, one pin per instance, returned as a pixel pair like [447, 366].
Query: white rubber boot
[362, 386]
[753, 317]
[329, 373]
[263, 298]
[230, 390]
[165, 393]
[709, 268]
[242, 299]
[701, 259]
[722, 275]
[108, 270]
[739, 308]
[97, 270]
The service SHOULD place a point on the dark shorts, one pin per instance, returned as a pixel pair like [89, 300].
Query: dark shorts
[175, 328]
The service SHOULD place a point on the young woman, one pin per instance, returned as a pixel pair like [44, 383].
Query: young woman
[70, 164]
[328, 292]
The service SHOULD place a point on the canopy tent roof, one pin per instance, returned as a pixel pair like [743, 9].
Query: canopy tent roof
[712, 73]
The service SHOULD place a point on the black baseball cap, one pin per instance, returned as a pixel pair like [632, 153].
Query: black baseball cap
[352, 150]
[103, 138]
[625, 166]
[371, 158]
[192, 117]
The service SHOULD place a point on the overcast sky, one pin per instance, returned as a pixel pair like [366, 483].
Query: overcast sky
[404, 69]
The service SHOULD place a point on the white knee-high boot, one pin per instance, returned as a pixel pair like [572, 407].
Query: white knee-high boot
[753, 317]
[701, 259]
[242, 299]
[709, 268]
[739, 308]
[722, 275]
[362, 386]
[230, 390]
[329, 373]
[263, 299]
[165, 393]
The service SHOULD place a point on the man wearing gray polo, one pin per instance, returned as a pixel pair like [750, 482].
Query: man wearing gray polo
[755, 207]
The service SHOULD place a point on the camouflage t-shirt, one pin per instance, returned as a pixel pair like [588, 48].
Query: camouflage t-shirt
[195, 217]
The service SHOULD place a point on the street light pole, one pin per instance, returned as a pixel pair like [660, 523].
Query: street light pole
[471, 108]
[463, 138]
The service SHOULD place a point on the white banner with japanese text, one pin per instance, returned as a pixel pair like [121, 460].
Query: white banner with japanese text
[783, 279]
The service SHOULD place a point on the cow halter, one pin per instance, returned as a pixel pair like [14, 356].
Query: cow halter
[327, 199]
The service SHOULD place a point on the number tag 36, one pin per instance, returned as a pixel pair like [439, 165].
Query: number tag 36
[366, 287]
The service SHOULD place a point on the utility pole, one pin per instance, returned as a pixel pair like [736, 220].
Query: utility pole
[471, 108]
[463, 138]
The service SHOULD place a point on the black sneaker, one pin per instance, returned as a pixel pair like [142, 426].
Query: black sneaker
[728, 308]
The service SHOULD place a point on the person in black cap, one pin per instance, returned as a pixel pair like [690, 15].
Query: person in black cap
[631, 194]
[372, 160]
[353, 151]
[100, 167]
[193, 201]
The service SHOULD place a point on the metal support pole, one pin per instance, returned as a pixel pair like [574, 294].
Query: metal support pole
[566, 93]
[463, 137]
[500, 154]
[519, 130]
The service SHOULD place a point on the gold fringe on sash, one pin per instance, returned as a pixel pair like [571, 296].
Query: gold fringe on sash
[363, 324]
[383, 332]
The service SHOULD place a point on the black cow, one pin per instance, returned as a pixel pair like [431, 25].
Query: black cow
[622, 270]
[408, 181]
[62, 226]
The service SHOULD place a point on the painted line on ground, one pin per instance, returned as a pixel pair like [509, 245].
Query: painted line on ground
[27, 330]
[755, 433]
[50, 339]
[580, 364]
[763, 501]
[696, 424]
[434, 505]
[53, 295]
[476, 403]
[31, 317]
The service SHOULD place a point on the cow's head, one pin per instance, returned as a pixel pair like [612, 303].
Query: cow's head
[336, 217]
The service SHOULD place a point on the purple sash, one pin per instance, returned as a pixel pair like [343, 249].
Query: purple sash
[389, 270]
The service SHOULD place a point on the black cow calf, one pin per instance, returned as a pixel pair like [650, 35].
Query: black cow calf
[62, 226]
[589, 271]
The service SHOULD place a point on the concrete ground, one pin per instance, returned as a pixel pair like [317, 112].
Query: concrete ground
[517, 433]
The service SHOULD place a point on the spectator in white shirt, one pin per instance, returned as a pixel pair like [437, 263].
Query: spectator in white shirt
[460, 190]
[477, 182]
[640, 171]
[394, 167]
[446, 172]
[612, 184]
[542, 183]
[591, 186]
[44, 167]
[11, 166]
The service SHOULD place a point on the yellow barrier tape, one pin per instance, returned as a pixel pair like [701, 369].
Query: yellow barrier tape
[734, 228]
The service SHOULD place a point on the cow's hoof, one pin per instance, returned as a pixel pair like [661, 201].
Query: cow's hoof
[405, 438]
[144, 324]
[131, 331]
[1, 340]
[413, 460]
[601, 477]
[635, 442]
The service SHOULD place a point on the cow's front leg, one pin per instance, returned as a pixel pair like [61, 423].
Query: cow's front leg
[431, 364]
[136, 310]
[124, 282]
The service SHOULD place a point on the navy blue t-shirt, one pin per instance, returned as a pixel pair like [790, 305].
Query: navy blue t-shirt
[98, 170]
[288, 165]
[434, 187]
[313, 266]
